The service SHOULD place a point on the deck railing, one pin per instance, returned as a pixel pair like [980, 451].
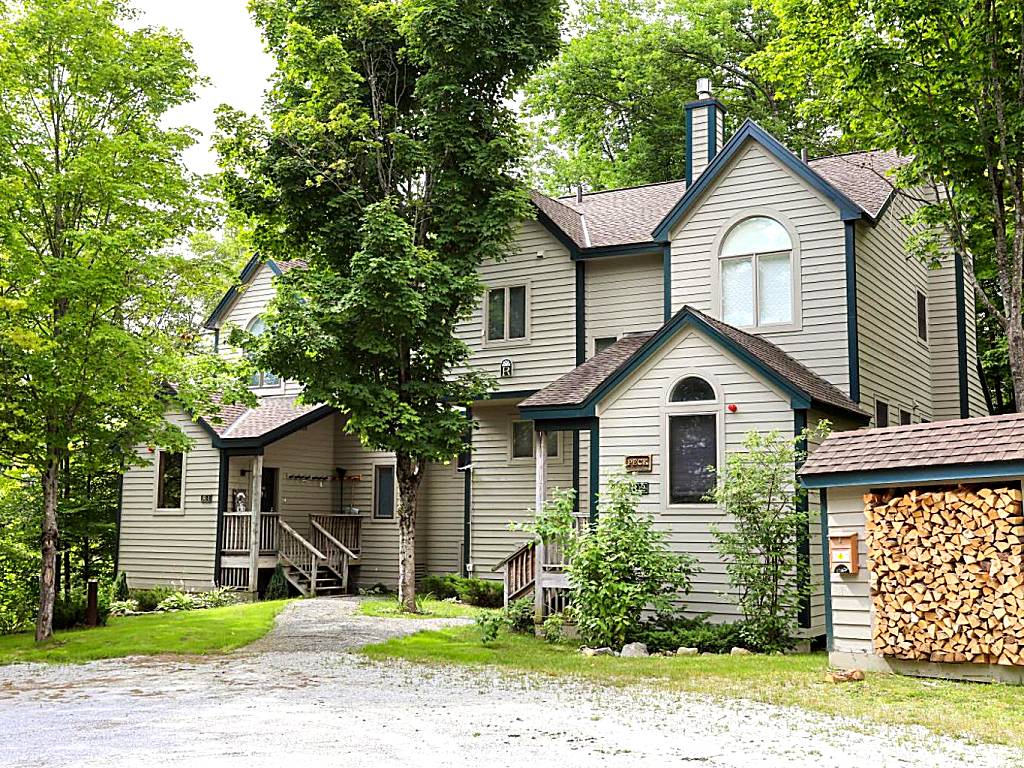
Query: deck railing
[346, 527]
[236, 529]
[300, 554]
[337, 556]
[520, 571]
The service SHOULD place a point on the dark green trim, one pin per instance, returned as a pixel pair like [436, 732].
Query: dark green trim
[248, 273]
[510, 394]
[565, 425]
[826, 575]
[712, 131]
[581, 312]
[961, 335]
[931, 473]
[467, 496]
[685, 318]
[576, 471]
[223, 480]
[545, 221]
[688, 168]
[666, 282]
[120, 503]
[852, 333]
[595, 468]
[848, 210]
[609, 251]
[803, 544]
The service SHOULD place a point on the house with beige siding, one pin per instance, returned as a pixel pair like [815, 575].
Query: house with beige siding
[656, 324]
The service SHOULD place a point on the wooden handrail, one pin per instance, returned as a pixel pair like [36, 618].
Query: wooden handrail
[292, 532]
[326, 534]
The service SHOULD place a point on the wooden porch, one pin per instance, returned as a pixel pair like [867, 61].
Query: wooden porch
[318, 563]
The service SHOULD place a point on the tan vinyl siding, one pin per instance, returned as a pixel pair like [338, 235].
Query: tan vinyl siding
[895, 364]
[633, 421]
[158, 548]
[306, 453]
[851, 600]
[623, 295]
[942, 341]
[440, 515]
[756, 184]
[503, 489]
[541, 263]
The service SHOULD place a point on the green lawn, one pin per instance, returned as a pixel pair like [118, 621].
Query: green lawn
[990, 713]
[429, 609]
[215, 630]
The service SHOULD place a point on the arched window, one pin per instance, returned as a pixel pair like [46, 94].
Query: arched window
[756, 261]
[692, 440]
[692, 389]
[258, 327]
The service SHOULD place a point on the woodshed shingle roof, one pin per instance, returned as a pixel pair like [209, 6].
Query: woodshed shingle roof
[980, 440]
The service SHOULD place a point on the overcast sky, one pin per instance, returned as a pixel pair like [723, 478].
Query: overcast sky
[228, 49]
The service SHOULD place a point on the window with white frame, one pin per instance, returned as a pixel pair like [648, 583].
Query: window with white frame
[756, 273]
[258, 327]
[692, 440]
[170, 480]
[383, 492]
[506, 313]
[522, 441]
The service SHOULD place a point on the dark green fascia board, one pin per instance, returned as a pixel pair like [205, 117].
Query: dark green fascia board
[852, 332]
[510, 394]
[848, 210]
[581, 312]
[900, 476]
[545, 221]
[248, 272]
[575, 424]
[666, 282]
[688, 163]
[627, 249]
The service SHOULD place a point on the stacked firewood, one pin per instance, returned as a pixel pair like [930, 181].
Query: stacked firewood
[947, 581]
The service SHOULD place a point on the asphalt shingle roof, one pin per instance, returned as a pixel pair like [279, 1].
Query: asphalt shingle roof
[271, 413]
[861, 176]
[982, 439]
[575, 387]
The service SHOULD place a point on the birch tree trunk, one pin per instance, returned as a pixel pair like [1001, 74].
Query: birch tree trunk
[409, 473]
[48, 569]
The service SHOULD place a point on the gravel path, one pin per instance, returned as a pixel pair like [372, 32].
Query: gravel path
[300, 697]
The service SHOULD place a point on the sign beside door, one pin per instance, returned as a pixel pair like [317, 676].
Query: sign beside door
[640, 463]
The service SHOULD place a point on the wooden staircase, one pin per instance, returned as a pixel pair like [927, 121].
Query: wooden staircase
[520, 572]
[319, 566]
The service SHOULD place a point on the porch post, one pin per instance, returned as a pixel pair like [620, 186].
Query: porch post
[255, 511]
[540, 455]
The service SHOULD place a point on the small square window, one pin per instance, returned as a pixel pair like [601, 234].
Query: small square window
[522, 440]
[922, 316]
[169, 480]
[881, 414]
[904, 417]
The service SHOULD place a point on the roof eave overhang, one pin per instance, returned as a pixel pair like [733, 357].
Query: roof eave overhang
[249, 271]
[921, 474]
[848, 210]
[278, 433]
[627, 249]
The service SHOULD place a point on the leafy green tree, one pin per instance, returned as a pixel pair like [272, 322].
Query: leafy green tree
[758, 490]
[388, 165]
[943, 83]
[608, 111]
[95, 310]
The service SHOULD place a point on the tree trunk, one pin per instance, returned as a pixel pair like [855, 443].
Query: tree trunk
[1015, 350]
[67, 572]
[47, 571]
[408, 475]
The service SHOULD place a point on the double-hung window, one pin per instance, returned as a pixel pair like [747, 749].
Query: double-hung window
[522, 441]
[692, 441]
[506, 313]
[756, 274]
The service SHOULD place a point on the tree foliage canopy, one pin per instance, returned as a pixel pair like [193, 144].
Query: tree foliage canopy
[608, 111]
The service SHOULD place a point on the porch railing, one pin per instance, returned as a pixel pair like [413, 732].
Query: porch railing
[337, 556]
[236, 529]
[300, 554]
[346, 527]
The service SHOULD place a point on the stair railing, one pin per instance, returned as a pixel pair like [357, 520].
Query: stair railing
[336, 555]
[299, 554]
[520, 570]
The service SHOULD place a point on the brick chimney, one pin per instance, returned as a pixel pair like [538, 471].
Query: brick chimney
[704, 130]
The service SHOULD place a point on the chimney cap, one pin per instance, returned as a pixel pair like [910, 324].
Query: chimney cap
[704, 88]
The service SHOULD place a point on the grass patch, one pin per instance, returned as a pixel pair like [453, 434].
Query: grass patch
[389, 608]
[986, 712]
[214, 630]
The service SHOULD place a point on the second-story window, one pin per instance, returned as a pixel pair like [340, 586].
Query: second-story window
[261, 378]
[506, 313]
[922, 316]
[756, 274]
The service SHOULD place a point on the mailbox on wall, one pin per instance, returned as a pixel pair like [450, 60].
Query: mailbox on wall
[842, 554]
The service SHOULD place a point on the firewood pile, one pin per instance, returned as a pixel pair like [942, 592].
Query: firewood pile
[946, 574]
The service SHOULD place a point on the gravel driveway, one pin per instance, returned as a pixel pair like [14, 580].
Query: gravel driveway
[299, 697]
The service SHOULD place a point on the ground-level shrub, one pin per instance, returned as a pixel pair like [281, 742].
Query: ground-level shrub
[194, 601]
[149, 599]
[519, 615]
[553, 628]
[120, 591]
[671, 633]
[441, 587]
[70, 611]
[481, 593]
[277, 587]
[489, 625]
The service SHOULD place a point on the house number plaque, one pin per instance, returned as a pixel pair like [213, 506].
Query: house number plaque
[639, 463]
